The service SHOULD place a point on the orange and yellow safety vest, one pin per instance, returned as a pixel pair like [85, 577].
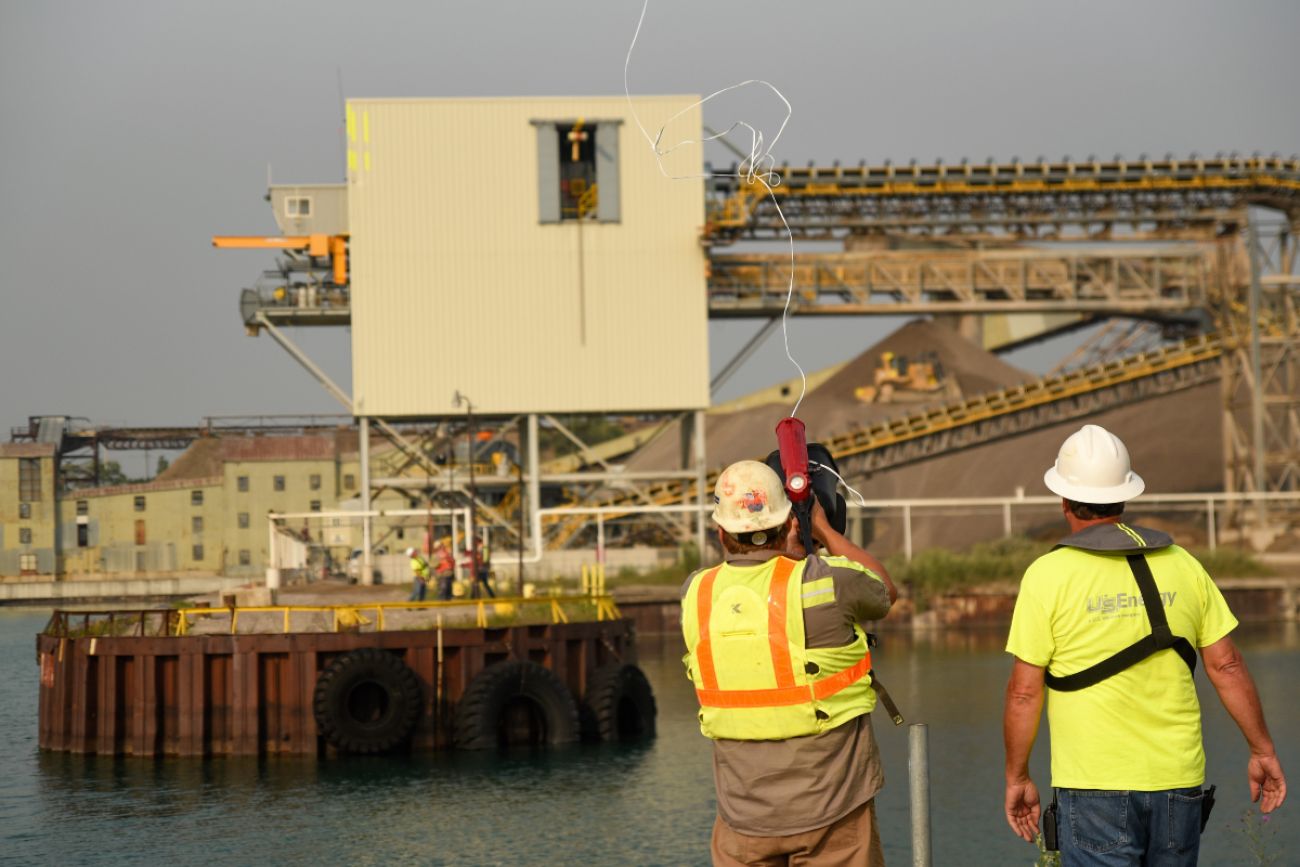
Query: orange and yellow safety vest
[753, 676]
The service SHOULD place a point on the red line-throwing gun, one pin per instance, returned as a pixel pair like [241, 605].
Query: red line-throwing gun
[793, 446]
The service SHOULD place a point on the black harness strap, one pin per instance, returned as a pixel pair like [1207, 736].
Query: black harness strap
[1160, 638]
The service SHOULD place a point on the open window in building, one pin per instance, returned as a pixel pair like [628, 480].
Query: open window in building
[196, 498]
[577, 170]
[83, 535]
[315, 505]
[297, 206]
[29, 480]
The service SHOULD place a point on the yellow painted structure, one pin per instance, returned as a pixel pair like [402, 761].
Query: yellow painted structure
[28, 506]
[461, 282]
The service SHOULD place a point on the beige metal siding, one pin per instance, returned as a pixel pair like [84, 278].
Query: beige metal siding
[457, 286]
[329, 209]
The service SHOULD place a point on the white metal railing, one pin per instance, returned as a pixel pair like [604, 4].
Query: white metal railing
[461, 520]
[908, 510]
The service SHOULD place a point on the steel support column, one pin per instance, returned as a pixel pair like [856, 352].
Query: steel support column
[367, 562]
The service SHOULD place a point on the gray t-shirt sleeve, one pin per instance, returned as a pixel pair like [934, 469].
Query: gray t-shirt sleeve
[860, 597]
[859, 592]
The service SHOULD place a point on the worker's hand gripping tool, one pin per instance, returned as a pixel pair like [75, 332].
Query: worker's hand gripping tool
[793, 447]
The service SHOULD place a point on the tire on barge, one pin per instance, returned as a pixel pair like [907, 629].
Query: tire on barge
[145, 683]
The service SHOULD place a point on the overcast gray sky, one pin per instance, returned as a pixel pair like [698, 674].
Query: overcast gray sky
[132, 132]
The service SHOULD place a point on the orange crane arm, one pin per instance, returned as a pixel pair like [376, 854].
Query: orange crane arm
[334, 246]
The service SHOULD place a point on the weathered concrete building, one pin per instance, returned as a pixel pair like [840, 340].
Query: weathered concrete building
[204, 515]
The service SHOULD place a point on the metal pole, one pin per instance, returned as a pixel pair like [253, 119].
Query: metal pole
[1211, 532]
[1006, 519]
[1256, 365]
[918, 770]
[701, 480]
[367, 558]
[534, 480]
[469, 523]
[600, 538]
[455, 558]
[272, 560]
[523, 507]
[907, 532]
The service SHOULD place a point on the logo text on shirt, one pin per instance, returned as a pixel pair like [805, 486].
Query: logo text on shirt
[1115, 601]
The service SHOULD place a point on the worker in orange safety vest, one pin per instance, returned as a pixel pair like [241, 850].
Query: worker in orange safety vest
[778, 653]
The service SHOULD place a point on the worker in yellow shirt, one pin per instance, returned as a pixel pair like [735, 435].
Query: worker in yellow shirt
[419, 575]
[1108, 625]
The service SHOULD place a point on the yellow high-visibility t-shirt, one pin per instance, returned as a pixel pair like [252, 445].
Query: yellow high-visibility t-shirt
[1140, 729]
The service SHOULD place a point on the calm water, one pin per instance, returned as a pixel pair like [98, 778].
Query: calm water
[651, 805]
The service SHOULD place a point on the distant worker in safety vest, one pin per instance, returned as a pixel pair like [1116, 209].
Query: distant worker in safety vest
[1108, 625]
[445, 571]
[779, 658]
[419, 575]
[479, 566]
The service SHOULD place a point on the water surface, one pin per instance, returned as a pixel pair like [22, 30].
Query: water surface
[644, 805]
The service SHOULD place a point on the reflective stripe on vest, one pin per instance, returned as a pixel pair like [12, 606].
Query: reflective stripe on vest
[818, 689]
[787, 691]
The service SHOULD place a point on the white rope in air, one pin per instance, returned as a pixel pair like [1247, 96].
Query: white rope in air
[759, 167]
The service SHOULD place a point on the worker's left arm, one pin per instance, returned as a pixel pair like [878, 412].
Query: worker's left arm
[1023, 708]
[837, 545]
[1226, 669]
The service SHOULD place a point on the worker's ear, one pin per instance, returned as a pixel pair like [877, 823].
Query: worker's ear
[793, 544]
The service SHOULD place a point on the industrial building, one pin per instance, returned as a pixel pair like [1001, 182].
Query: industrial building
[509, 267]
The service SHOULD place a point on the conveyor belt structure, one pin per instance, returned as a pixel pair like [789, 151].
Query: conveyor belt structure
[962, 424]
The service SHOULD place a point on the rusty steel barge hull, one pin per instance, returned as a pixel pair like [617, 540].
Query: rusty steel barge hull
[252, 694]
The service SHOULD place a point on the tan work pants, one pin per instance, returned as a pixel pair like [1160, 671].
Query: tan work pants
[853, 841]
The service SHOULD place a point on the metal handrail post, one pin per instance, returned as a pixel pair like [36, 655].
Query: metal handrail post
[918, 770]
[1212, 534]
[907, 532]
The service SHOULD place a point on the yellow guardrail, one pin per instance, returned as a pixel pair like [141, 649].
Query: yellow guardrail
[558, 609]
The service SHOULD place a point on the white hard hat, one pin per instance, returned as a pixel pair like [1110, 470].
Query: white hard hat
[1093, 467]
[749, 496]
[410, 552]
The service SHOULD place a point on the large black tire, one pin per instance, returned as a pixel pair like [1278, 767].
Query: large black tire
[619, 705]
[367, 701]
[515, 703]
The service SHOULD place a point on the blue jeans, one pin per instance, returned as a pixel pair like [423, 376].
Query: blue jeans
[1129, 829]
[418, 589]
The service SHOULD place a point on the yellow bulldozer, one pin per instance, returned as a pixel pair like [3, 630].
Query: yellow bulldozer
[899, 378]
